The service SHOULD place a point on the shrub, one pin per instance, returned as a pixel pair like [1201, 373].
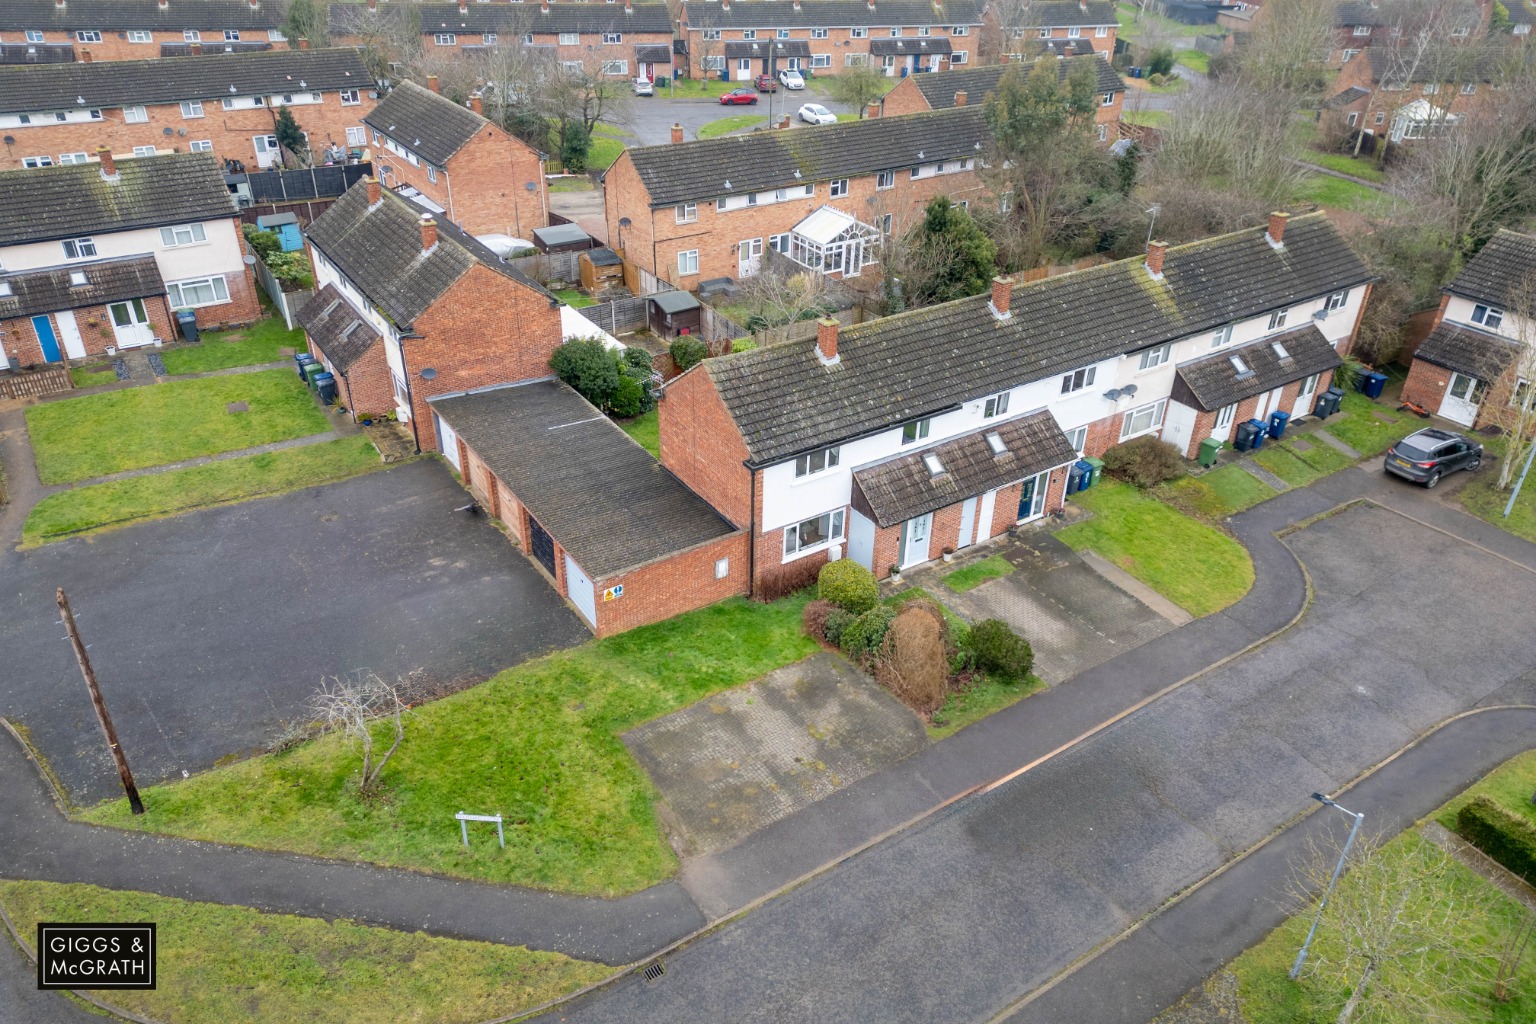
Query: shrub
[848, 585]
[687, 352]
[1159, 62]
[292, 266]
[997, 650]
[587, 365]
[814, 619]
[637, 363]
[265, 243]
[913, 663]
[836, 622]
[862, 637]
[1501, 834]
[575, 144]
[1144, 461]
[1157, 79]
[629, 398]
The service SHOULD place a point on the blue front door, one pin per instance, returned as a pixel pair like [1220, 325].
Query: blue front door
[46, 338]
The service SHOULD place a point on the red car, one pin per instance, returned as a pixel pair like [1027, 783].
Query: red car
[739, 96]
[766, 83]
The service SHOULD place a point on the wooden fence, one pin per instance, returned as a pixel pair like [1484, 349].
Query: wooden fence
[621, 316]
[550, 267]
[36, 382]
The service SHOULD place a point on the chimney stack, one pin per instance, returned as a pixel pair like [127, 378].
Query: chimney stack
[1002, 297]
[960, 97]
[463, 6]
[165, 5]
[428, 233]
[373, 5]
[1155, 253]
[255, 5]
[677, 133]
[1277, 222]
[303, 43]
[871, 4]
[108, 164]
[432, 82]
[797, 5]
[197, 49]
[872, 110]
[826, 341]
[85, 56]
[725, 5]
[58, 4]
[544, 6]
[372, 185]
[476, 104]
[629, 6]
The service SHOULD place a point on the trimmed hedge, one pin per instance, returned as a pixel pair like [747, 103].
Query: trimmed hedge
[1501, 834]
[1000, 652]
[848, 585]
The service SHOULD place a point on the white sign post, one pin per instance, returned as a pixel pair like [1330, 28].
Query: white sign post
[465, 819]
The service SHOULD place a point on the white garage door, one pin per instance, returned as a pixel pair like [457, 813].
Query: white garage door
[447, 441]
[580, 589]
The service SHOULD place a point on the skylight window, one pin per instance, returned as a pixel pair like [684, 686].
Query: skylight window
[1280, 351]
[1240, 366]
[935, 467]
[5, 288]
[995, 442]
[77, 278]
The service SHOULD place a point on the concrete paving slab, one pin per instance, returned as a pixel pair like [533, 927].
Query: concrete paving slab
[1336, 444]
[1263, 475]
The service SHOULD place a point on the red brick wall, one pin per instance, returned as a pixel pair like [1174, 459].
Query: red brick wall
[244, 305]
[112, 47]
[19, 339]
[1005, 510]
[1426, 384]
[366, 386]
[482, 186]
[702, 447]
[839, 42]
[625, 196]
[671, 586]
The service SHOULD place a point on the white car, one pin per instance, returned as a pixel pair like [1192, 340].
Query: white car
[792, 79]
[643, 87]
[815, 113]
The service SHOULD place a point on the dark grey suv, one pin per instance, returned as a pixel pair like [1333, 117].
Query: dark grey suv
[1430, 454]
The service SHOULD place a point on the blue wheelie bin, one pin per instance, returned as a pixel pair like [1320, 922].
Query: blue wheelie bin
[299, 359]
[1372, 383]
[1277, 422]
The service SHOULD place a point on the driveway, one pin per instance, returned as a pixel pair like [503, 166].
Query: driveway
[652, 117]
[209, 631]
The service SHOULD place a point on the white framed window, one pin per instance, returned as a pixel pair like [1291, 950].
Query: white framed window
[32, 162]
[445, 39]
[1221, 336]
[1101, 31]
[688, 262]
[1338, 300]
[616, 67]
[182, 234]
[1309, 385]
[1102, 132]
[34, 36]
[685, 213]
[924, 30]
[231, 35]
[138, 151]
[79, 248]
[858, 33]
[1468, 89]
[488, 38]
[135, 115]
[1353, 118]
[749, 33]
[431, 173]
[351, 97]
[1224, 415]
[1045, 33]
[813, 534]
[818, 33]
[782, 33]
[779, 242]
[995, 405]
[527, 38]
[202, 145]
[1240, 365]
[202, 291]
[1488, 316]
[191, 35]
[1350, 55]
[612, 38]
[1362, 30]
[815, 462]
[357, 137]
[84, 158]
[1381, 117]
[1107, 100]
[959, 57]
[1155, 356]
[711, 35]
[1431, 88]
[915, 431]
[88, 36]
[1144, 420]
[1074, 32]
[140, 36]
[1077, 437]
[884, 224]
[1281, 352]
[712, 63]
[1278, 318]
[722, 568]
[570, 39]
[960, 30]
[885, 179]
[821, 60]
[1077, 379]
[895, 33]
[839, 188]
[191, 108]
[275, 35]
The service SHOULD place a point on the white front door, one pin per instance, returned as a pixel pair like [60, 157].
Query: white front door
[1221, 430]
[1032, 497]
[749, 256]
[984, 521]
[861, 540]
[69, 334]
[888, 64]
[1306, 396]
[1461, 399]
[915, 548]
[744, 69]
[266, 150]
[130, 323]
[967, 524]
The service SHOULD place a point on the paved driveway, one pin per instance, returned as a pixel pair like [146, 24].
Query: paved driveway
[210, 630]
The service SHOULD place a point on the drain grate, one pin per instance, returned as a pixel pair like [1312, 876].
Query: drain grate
[653, 971]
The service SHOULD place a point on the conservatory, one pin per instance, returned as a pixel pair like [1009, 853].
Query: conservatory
[834, 243]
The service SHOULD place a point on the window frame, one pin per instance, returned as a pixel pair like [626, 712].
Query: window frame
[76, 248]
[685, 259]
[1156, 411]
[613, 38]
[995, 405]
[858, 33]
[914, 431]
[191, 109]
[686, 213]
[170, 235]
[835, 531]
[214, 282]
[231, 35]
[88, 35]
[819, 33]
[1338, 300]
[34, 36]
[1162, 353]
[135, 114]
[1077, 380]
[889, 179]
[356, 94]
[569, 39]
[960, 57]
[711, 35]
[1487, 316]
[1278, 318]
[139, 35]
[445, 39]
[839, 188]
[200, 146]
[830, 457]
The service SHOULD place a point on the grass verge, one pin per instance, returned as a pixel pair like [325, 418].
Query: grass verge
[646, 430]
[984, 696]
[1194, 565]
[575, 298]
[538, 743]
[86, 509]
[1196, 60]
[261, 342]
[582, 184]
[81, 438]
[727, 125]
[1360, 167]
[1483, 499]
[1299, 467]
[1369, 428]
[1337, 193]
[90, 376]
[974, 575]
[220, 963]
[1148, 118]
[1510, 785]
[1217, 494]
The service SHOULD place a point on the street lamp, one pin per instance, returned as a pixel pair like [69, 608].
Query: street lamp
[1338, 869]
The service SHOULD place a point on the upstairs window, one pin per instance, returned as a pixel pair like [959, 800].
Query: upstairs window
[1278, 318]
[231, 35]
[91, 36]
[1487, 316]
[913, 432]
[140, 36]
[570, 38]
[445, 39]
[816, 462]
[79, 248]
[686, 213]
[712, 34]
[1077, 380]
[995, 405]
[858, 33]
[613, 37]
[839, 188]
[782, 33]
[1337, 300]
[885, 179]
[191, 108]
[182, 234]
[1155, 356]
[818, 33]
[191, 35]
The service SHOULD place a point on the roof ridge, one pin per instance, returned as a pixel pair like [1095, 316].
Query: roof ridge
[106, 66]
[843, 127]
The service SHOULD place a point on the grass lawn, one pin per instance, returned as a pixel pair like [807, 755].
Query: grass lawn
[1217, 494]
[243, 346]
[1131, 26]
[1481, 498]
[727, 125]
[974, 575]
[1194, 565]
[87, 437]
[1300, 468]
[538, 743]
[1148, 118]
[1196, 60]
[582, 184]
[1360, 167]
[81, 509]
[645, 429]
[1326, 190]
[220, 963]
[1510, 784]
[575, 298]
[90, 376]
[1363, 427]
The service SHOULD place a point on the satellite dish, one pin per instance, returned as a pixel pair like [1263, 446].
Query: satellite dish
[429, 374]
[249, 260]
[1113, 394]
[1128, 390]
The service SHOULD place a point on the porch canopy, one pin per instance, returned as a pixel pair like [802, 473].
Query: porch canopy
[833, 242]
[78, 285]
[906, 47]
[905, 487]
[1218, 380]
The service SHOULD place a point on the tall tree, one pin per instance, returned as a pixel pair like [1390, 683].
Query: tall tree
[307, 19]
[858, 86]
[290, 136]
[948, 256]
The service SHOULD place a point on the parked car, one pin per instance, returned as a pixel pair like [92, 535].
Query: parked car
[815, 113]
[1428, 455]
[643, 87]
[765, 83]
[739, 96]
[792, 79]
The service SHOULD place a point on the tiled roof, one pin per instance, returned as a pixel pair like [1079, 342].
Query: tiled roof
[519, 19]
[204, 49]
[596, 491]
[52, 290]
[1504, 268]
[1520, 12]
[1377, 12]
[939, 89]
[1450, 64]
[903, 488]
[1468, 350]
[834, 14]
[216, 76]
[1214, 382]
[116, 15]
[1067, 47]
[424, 122]
[379, 250]
[906, 46]
[756, 49]
[70, 200]
[333, 325]
[37, 53]
[1065, 14]
[902, 367]
[707, 168]
[1353, 94]
[653, 53]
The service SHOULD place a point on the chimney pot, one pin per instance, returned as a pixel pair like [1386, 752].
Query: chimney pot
[303, 43]
[871, 4]
[85, 56]
[255, 5]
[165, 4]
[960, 98]
[476, 103]
[872, 110]
[1155, 253]
[797, 5]
[826, 341]
[725, 5]
[59, 4]
[197, 49]
[373, 5]
[428, 232]
[432, 82]
[1277, 222]
[108, 164]
[677, 133]
[372, 185]
[1002, 297]
[629, 6]
[463, 6]
[544, 6]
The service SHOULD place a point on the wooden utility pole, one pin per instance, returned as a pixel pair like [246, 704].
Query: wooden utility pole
[100, 705]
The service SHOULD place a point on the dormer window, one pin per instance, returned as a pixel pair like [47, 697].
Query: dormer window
[5, 289]
[995, 442]
[935, 467]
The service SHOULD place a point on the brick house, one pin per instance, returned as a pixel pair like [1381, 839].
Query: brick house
[972, 85]
[457, 164]
[1482, 351]
[98, 255]
[139, 29]
[742, 39]
[822, 196]
[224, 104]
[407, 308]
[1397, 94]
[619, 40]
[942, 427]
[627, 546]
[1058, 28]
[1362, 24]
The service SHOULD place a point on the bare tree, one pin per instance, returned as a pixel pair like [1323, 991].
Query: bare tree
[1233, 138]
[388, 36]
[352, 706]
[776, 295]
[1288, 48]
[704, 17]
[858, 86]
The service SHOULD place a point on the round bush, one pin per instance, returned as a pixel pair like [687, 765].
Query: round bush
[637, 363]
[834, 624]
[848, 585]
[1144, 461]
[629, 398]
[687, 352]
[997, 650]
[863, 636]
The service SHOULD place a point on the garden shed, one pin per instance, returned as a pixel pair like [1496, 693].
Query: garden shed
[600, 268]
[674, 314]
[562, 238]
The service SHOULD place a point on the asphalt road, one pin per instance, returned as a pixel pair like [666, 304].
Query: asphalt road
[651, 117]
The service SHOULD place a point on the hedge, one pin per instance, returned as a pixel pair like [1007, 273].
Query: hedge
[1501, 834]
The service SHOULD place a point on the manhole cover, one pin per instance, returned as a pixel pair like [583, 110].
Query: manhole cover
[238, 407]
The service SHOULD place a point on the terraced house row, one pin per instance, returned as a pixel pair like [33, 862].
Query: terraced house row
[63, 31]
